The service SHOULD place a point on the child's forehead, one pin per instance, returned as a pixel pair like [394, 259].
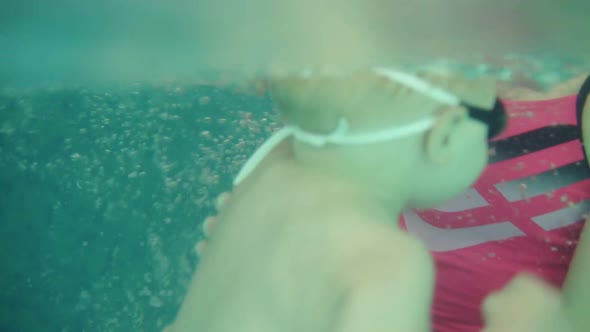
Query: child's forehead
[480, 92]
[360, 96]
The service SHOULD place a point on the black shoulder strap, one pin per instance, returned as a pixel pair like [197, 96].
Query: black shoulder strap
[582, 97]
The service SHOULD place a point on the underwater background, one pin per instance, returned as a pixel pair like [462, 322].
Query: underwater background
[103, 191]
[116, 136]
[102, 195]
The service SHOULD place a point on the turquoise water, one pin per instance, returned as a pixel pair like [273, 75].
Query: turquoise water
[102, 196]
[103, 192]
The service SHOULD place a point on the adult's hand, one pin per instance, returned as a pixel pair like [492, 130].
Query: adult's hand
[526, 304]
[209, 223]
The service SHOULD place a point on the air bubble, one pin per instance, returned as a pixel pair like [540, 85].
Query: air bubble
[205, 100]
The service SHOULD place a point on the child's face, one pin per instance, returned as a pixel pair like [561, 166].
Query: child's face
[438, 161]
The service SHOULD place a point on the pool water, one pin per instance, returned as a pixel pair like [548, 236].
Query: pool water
[103, 192]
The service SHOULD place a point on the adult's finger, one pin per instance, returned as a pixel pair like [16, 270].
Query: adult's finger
[208, 225]
[222, 200]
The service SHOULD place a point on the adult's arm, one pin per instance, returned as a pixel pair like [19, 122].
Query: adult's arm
[576, 290]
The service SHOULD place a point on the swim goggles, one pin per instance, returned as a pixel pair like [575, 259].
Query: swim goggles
[495, 119]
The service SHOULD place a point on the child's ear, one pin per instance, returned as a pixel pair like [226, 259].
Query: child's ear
[441, 139]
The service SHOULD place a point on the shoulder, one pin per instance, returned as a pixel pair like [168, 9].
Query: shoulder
[383, 252]
[389, 284]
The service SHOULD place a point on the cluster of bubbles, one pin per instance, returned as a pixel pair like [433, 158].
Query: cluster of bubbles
[103, 193]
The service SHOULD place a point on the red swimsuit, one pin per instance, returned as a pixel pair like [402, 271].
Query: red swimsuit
[525, 213]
